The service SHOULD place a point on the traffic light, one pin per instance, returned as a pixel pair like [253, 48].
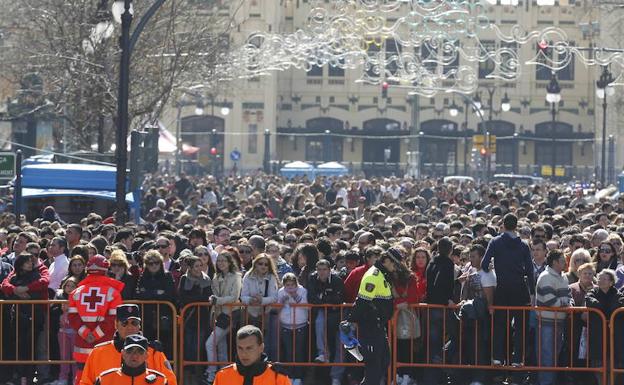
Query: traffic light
[214, 151]
[384, 90]
[483, 151]
[150, 150]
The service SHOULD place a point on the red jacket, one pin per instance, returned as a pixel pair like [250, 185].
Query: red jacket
[92, 309]
[40, 285]
[352, 283]
[408, 293]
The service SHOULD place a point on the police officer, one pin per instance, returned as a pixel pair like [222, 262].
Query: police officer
[107, 355]
[133, 370]
[372, 310]
[252, 366]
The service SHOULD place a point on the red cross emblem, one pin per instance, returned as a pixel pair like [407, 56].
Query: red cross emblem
[93, 300]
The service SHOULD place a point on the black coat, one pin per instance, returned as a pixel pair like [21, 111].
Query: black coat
[156, 287]
[440, 280]
[330, 292]
[606, 303]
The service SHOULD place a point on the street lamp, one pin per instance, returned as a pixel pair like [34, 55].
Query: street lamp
[505, 103]
[453, 109]
[553, 96]
[604, 88]
[122, 13]
[267, 151]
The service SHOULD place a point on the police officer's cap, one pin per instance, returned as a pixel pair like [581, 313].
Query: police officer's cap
[135, 340]
[128, 311]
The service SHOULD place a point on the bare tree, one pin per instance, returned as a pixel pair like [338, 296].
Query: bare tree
[63, 58]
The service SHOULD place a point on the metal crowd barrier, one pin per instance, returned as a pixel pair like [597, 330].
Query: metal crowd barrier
[267, 318]
[458, 343]
[26, 328]
[616, 344]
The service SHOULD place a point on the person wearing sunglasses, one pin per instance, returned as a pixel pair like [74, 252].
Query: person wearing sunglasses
[107, 355]
[119, 270]
[133, 368]
[605, 257]
[156, 284]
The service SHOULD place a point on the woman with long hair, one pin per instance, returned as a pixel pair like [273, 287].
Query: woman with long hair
[27, 319]
[76, 269]
[226, 289]
[606, 257]
[259, 291]
[119, 267]
[195, 286]
[156, 284]
[206, 259]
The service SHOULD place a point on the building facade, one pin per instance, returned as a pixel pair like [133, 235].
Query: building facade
[324, 115]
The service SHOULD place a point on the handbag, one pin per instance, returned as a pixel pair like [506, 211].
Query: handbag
[223, 321]
[408, 324]
[582, 351]
[474, 309]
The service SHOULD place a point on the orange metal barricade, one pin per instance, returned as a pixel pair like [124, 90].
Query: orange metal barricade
[456, 335]
[245, 314]
[616, 323]
[33, 332]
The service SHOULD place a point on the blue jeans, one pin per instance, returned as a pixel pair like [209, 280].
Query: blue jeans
[550, 344]
[435, 322]
[327, 331]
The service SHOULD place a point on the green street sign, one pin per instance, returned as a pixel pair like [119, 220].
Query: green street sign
[7, 165]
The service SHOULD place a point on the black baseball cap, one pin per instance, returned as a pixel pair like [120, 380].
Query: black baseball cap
[135, 340]
[127, 311]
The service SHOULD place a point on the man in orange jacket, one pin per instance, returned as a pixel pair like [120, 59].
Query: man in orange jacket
[133, 370]
[252, 366]
[92, 308]
[107, 355]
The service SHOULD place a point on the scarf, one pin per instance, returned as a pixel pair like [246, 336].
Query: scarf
[190, 281]
[254, 370]
[133, 372]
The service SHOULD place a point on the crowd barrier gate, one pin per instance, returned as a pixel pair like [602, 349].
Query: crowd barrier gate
[197, 314]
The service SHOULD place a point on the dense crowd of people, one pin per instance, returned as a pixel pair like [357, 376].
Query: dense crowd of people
[291, 254]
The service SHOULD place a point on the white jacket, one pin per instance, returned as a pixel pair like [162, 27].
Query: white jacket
[254, 285]
[300, 313]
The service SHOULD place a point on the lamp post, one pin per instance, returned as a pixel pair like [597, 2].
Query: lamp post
[604, 89]
[553, 96]
[122, 12]
[267, 151]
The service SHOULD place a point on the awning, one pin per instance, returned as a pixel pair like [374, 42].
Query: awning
[43, 193]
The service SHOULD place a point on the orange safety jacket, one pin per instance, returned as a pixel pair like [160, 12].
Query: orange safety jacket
[106, 356]
[229, 376]
[92, 308]
[117, 377]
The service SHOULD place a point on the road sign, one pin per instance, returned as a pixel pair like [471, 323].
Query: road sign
[235, 155]
[479, 140]
[547, 171]
[7, 165]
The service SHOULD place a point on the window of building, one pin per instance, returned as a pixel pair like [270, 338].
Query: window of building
[486, 67]
[315, 71]
[334, 71]
[543, 73]
[252, 145]
[314, 150]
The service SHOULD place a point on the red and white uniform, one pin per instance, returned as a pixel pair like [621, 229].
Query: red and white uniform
[92, 310]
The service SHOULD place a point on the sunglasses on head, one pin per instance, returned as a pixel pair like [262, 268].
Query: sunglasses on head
[133, 322]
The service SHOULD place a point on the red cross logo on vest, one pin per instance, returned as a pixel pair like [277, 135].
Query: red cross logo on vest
[93, 300]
